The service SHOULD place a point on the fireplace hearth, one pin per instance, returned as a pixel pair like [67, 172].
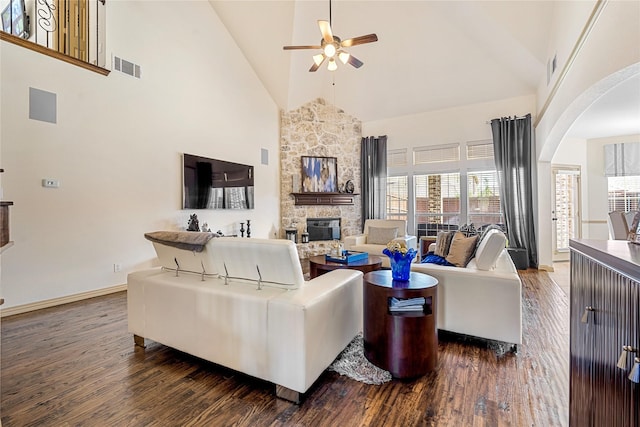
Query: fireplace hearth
[323, 229]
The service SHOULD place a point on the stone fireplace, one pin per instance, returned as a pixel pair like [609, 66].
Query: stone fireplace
[321, 130]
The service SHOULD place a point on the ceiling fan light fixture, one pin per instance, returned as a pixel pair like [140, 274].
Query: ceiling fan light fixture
[332, 66]
[318, 59]
[329, 50]
[344, 57]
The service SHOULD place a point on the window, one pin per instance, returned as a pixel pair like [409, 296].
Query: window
[483, 198]
[437, 202]
[624, 193]
[397, 197]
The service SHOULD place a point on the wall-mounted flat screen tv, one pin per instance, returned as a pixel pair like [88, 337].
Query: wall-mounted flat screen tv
[216, 184]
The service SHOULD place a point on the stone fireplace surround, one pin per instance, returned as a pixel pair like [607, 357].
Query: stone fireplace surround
[319, 129]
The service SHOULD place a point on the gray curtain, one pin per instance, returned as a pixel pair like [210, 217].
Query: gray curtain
[373, 169]
[514, 154]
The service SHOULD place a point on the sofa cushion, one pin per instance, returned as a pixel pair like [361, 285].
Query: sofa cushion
[274, 261]
[489, 249]
[381, 235]
[462, 249]
[443, 243]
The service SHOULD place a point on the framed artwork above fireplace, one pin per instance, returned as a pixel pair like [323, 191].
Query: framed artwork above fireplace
[319, 174]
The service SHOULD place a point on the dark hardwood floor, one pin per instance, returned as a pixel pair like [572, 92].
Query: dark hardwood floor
[76, 365]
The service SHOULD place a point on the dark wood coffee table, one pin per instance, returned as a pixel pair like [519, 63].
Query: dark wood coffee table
[318, 265]
[404, 343]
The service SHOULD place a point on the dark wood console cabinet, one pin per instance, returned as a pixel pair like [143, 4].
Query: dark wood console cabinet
[604, 318]
[316, 199]
[4, 223]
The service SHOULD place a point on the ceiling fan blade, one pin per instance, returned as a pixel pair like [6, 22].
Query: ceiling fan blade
[325, 29]
[301, 47]
[354, 61]
[314, 68]
[369, 38]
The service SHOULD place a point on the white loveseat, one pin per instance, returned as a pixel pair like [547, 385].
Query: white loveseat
[244, 304]
[483, 299]
[363, 242]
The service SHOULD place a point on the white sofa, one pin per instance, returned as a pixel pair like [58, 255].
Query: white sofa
[483, 299]
[362, 242]
[262, 319]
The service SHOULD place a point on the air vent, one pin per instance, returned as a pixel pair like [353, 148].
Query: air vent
[126, 67]
[437, 154]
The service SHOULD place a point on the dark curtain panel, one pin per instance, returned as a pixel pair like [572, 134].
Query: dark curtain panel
[514, 154]
[373, 161]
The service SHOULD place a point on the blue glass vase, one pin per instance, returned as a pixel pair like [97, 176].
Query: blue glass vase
[400, 263]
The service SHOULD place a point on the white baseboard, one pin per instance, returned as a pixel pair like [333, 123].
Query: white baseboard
[25, 308]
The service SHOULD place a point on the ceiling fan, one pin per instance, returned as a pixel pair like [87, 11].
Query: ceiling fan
[332, 47]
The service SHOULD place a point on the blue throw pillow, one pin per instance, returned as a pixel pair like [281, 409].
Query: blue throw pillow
[435, 259]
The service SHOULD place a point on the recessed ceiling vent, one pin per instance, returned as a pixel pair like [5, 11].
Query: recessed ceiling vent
[126, 67]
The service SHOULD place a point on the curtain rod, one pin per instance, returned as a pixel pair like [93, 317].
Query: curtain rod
[515, 118]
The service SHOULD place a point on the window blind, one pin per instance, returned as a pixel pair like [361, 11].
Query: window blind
[480, 150]
[397, 158]
[622, 159]
[426, 155]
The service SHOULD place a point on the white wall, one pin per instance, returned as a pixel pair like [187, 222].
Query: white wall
[116, 148]
[597, 68]
[453, 125]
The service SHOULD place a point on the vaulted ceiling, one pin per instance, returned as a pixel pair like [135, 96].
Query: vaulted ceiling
[430, 55]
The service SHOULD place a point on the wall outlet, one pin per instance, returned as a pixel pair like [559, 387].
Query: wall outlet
[117, 267]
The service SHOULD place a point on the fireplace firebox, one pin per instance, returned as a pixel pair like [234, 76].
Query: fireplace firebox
[323, 229]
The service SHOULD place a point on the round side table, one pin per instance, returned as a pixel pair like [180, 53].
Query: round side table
[403, 341]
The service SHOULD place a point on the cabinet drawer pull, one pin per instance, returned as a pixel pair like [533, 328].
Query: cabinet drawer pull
[585, 316]
[635, 372]
[622, 361]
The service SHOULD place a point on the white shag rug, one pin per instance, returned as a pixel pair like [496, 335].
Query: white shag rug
[352, 363]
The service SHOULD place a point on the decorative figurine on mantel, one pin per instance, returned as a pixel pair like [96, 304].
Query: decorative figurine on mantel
[205, 228]
[194, 224]
[248, 228]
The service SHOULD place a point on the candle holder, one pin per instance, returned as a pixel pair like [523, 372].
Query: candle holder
[248, 228]
[242, 229]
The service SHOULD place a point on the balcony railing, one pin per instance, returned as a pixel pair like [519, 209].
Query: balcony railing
[70, 30]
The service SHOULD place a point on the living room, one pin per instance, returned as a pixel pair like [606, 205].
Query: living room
[116, 147]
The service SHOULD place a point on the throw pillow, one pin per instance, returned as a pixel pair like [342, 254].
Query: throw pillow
[435, 259]
[468, 230]
[462, 249]
[443, 243]
[381, 235]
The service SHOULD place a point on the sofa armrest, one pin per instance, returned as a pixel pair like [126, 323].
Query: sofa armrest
[308, 327]
[352, 241]
[485, 304]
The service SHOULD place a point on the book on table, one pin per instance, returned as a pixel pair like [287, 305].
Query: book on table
[407, 304]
